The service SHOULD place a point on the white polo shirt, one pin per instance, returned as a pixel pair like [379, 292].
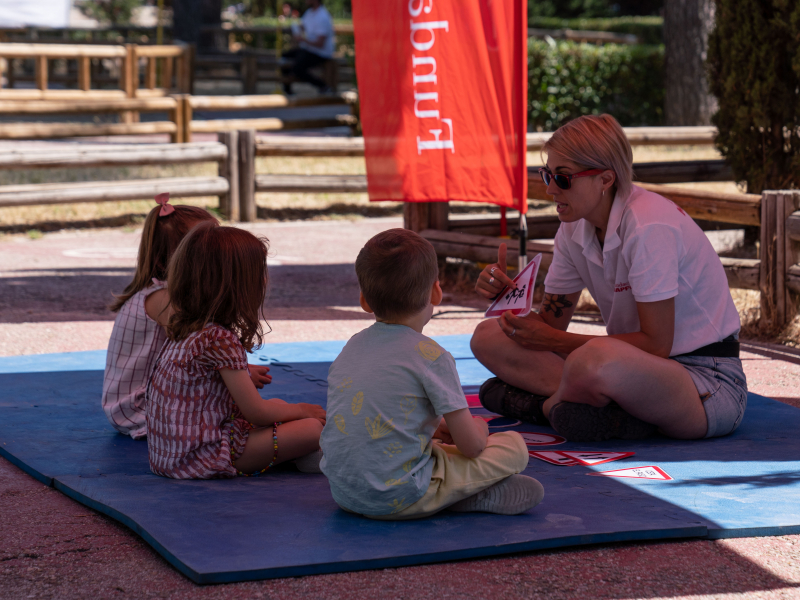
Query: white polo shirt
[318, 23]
[653, 251]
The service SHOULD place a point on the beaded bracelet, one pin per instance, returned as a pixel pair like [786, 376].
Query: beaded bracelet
[274, 453]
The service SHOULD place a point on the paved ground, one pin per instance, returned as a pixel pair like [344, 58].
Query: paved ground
[53, 293]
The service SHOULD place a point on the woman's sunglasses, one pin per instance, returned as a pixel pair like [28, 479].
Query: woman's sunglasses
[565, 181]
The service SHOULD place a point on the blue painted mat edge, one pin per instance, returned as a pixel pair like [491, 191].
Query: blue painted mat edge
[699, 531]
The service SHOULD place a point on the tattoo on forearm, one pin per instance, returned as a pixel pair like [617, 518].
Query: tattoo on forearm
[555, 304]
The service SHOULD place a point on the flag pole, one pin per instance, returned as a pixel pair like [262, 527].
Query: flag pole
[523, 241]
[521, 79]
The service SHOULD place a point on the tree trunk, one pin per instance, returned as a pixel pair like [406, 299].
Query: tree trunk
[687, 24]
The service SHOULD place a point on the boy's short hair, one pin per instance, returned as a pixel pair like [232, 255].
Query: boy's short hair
[396, 270]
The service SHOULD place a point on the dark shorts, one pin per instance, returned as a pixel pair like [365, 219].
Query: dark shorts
[722, 386]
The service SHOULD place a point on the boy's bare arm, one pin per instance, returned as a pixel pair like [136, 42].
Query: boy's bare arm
[469, 434]
[262, 412]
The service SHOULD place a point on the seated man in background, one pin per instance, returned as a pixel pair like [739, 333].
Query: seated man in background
[315, 34]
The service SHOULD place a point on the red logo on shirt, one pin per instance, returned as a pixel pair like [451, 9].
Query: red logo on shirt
[621, 287]
[683, 212]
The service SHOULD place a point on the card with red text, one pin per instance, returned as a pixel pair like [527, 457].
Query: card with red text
[649, 472]
[517, 301]
[554, 458]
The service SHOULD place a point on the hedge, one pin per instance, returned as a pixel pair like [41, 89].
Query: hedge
[754, 71]
[567, 80]
[648, 29]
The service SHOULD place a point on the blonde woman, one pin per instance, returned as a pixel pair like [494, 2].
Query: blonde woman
[670, 361]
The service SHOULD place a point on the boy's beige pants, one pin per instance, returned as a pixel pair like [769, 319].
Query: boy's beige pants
[456, 477]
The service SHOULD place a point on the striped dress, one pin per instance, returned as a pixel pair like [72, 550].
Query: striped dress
[134, 345]
[192, 421]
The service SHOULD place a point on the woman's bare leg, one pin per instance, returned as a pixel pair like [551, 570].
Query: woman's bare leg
[653, 389]
[535, 372]
[295, 439]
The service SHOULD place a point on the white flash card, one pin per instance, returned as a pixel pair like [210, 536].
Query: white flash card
[541, 439]
[649, 472]
[554, 458]
[517, 301]
[596, 458]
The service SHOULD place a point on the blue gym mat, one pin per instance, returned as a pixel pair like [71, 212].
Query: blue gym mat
[287, 524]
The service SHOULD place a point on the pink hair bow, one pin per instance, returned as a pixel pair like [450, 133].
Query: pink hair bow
[166, 207]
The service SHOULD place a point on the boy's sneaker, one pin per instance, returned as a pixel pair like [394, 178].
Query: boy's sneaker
[309, 463]
[512, 496]
[504, 399]
[584, 423]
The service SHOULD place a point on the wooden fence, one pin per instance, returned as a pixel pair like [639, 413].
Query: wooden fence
[270, 101]
[780, 254]
[256, 34]
[123, 106]
[173, 62]
[776, 274]
[476, 238]
[180, 123]
[122, 155]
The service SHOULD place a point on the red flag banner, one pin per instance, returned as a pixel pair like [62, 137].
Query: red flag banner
[443, 93]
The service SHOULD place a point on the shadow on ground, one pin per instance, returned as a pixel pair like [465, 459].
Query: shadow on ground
[84, 294]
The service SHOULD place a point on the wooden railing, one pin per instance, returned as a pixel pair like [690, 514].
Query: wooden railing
[475, 238]
[174, 62]
[122, 155]
[780, 254]
[179, 108]
[270, 101]
[122, 106]
[776, 274]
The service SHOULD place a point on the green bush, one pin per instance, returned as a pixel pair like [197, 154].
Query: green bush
[113, 12]
[648, 29]
[567, 80]
[577, 9]
[754, 71]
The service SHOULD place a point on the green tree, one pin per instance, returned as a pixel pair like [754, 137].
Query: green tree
[113, 12]
[754, 71]
[588, 9]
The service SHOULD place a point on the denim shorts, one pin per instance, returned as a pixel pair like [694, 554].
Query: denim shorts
[722, 386]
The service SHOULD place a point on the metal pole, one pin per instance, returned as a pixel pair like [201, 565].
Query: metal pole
[523, 241]
[160, 39]
[160, 23]
[278, 46]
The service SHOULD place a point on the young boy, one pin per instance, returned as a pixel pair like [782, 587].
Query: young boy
[387, 393]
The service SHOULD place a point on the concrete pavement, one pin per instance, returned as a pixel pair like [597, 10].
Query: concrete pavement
[53, 293]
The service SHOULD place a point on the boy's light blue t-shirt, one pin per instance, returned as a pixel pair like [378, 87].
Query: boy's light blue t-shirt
[386, 392]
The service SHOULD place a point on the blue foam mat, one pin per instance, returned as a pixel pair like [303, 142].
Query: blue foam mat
[51, 425]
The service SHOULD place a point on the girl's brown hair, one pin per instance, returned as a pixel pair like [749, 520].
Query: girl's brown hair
[160, 238]
[218, 275]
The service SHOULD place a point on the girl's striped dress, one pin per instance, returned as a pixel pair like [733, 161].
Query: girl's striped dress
[195, 430]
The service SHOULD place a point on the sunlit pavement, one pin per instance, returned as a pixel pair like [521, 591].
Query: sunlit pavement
[53, 294]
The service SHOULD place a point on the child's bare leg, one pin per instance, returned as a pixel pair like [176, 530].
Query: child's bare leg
[295, 439]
